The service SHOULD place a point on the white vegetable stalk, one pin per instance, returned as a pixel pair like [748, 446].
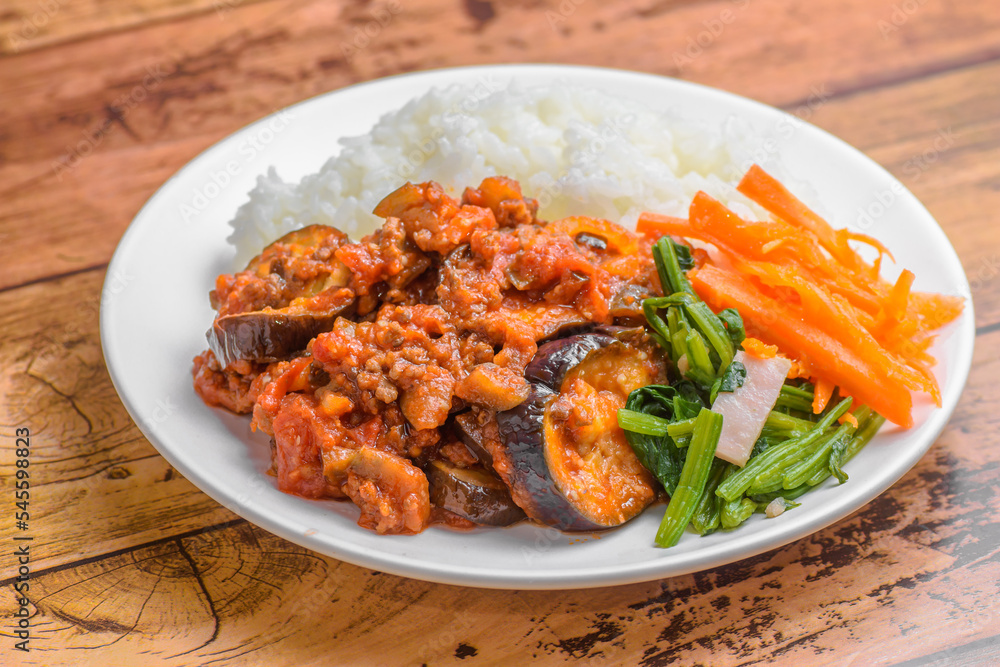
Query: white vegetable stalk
[746, 409]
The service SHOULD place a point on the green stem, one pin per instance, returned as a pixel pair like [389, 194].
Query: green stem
[694, 475]
[736, 512]
[706, 514]
[672, 278]
[778, 456]
[805, 470]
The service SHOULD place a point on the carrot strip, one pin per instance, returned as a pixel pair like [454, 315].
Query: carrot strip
[822, 392]
[843, 235]
[758, 348]
[655, 225]
[934, 310]
[778, 323]
[765, 190]
[771, 245]
[848, 418]
[900, 295]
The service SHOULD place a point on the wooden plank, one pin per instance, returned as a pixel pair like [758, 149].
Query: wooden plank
[86, 454]
[268, 55]
[923, 558]
[78, 220]
[27, 25]
[51, 226]
[217, 77]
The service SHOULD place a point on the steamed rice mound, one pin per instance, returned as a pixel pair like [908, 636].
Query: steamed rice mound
[576, 150]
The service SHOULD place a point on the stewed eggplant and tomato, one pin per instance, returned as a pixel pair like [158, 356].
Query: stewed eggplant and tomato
[470, 364]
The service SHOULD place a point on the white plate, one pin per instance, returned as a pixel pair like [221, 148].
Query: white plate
[155, 311]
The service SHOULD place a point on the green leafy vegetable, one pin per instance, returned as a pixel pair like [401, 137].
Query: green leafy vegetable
[643, 424]
[657, 451]
[674, 434]
[796, 398]
[694, 475]
[706, 515]
[735, 512]
[672, 260]
[733, 378]
[734, 325]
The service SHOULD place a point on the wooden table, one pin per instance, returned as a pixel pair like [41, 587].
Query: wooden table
[101, 102]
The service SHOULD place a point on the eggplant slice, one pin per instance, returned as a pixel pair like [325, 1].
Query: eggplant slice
[273, 334]
[470, 432]
[296, 243]
[475, 494]
[568, 462]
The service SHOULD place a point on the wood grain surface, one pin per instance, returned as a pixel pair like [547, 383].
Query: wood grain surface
[100, 102]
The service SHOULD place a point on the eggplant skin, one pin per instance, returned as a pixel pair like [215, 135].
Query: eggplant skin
[557, 357]
[466, 427]
[272, 335]
[474, 494]
[263, 335]
[563, 455]
[521, 430]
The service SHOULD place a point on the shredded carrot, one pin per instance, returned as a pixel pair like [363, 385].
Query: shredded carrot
[843, 235]
[822, 391]
[848, 418]
[900, 295]
[804, 291]
[655, 225]
[764, 189]
[799, 261]
[778, 323]
[799, 369]
[771, 245]
[758, 348]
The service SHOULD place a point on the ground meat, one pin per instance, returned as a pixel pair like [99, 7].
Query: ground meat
[435, 221]
[301, 432]
[232, 388]
[391, 492]
[458, 454]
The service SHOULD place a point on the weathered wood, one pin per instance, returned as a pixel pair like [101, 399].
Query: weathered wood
[26, 25]
[79, 219]
[91, 469]
[218, 75]
[198, 79]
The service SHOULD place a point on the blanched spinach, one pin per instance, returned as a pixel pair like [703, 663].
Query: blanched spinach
[660, 454]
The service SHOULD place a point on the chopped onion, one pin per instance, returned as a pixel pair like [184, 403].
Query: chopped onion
[775, 508]
[683, 365]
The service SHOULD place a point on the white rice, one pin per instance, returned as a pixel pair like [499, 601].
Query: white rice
[577, 150]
